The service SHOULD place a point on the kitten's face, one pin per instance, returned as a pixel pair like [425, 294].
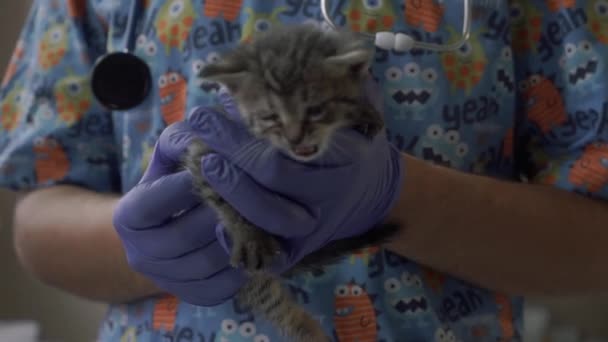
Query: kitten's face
[296, 85]
[301, 124]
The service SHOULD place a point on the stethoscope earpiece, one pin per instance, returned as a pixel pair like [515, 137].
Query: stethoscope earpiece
[400, 42]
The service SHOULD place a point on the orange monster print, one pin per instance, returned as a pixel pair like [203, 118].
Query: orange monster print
[364, 254]
[425, 13]
[12, 108]
[52, 163]
[229, 8]
[173, 89]
[526, 25]
[505, 318]
[53, 46]
[590, 171]
[174, 22]
[74, 98]
[556, 5]
[165, 313]
[545, 104]
[77, 8]
[355, 316]
[433, 279]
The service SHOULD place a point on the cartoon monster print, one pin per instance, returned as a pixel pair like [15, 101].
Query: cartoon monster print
[582, 67]
[597, 14]
[130, 335]
[590, 171]
[406, 305]
[53, 46]
[442, 147]
[174, 22]
[411, 91]
[546, 168]
[259, 22]
[52, 163]
[231, 331]
[16, 57]
[364, 255]
[230, 9]
[526, 25]
[464, 67]
[73, 97]
[318, 278]
[544, 103]
[445, 334]
[355, 316]
[503, 78]
[173, 90]
[370, 16]
[146, 154]
[115, 321]
[164, 314]
[146, 48]
[505, 317]
[13, 107]
[424, 13]
[557, 5]
[203, 92]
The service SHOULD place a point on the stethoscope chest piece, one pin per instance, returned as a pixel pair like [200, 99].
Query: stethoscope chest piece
[121, 80]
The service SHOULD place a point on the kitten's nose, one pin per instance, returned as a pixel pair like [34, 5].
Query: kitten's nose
[294, 135]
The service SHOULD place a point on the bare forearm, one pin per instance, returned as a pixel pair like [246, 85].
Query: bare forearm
[513, 237]
[64, 236]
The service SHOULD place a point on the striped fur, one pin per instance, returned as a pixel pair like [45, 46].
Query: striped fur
[280, 80]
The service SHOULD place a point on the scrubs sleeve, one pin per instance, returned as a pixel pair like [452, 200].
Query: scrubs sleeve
[52, 131]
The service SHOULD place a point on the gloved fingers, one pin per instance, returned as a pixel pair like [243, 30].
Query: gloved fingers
[198, 264]
[265, 209]
[216, 290]
[167, 153]
[219, 132]
[190, 231]
[154, 203]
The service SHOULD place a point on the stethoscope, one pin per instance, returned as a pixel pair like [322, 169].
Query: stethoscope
[120, 80]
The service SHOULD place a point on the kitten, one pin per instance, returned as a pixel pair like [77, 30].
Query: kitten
[294, 85]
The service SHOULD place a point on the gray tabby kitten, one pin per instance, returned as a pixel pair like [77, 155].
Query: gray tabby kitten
[294, 85]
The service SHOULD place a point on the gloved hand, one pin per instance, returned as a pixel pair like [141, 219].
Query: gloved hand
[168, 235]
[344, 194]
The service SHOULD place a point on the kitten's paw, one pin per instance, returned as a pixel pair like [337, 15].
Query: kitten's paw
[254, 251]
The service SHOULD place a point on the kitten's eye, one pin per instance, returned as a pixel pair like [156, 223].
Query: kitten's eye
[270, 117]
[315, 113]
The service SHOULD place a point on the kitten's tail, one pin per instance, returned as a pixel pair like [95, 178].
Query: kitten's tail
[265, 295]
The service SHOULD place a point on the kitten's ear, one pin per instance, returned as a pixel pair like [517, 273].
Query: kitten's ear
[355, 62]
[226, 72]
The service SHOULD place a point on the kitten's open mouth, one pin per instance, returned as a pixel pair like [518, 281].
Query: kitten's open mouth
[305, 151]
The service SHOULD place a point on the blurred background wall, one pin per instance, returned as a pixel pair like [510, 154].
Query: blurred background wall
[68, 319]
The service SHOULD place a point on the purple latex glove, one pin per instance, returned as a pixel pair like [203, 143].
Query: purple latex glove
[344, 194]
[168, 235]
